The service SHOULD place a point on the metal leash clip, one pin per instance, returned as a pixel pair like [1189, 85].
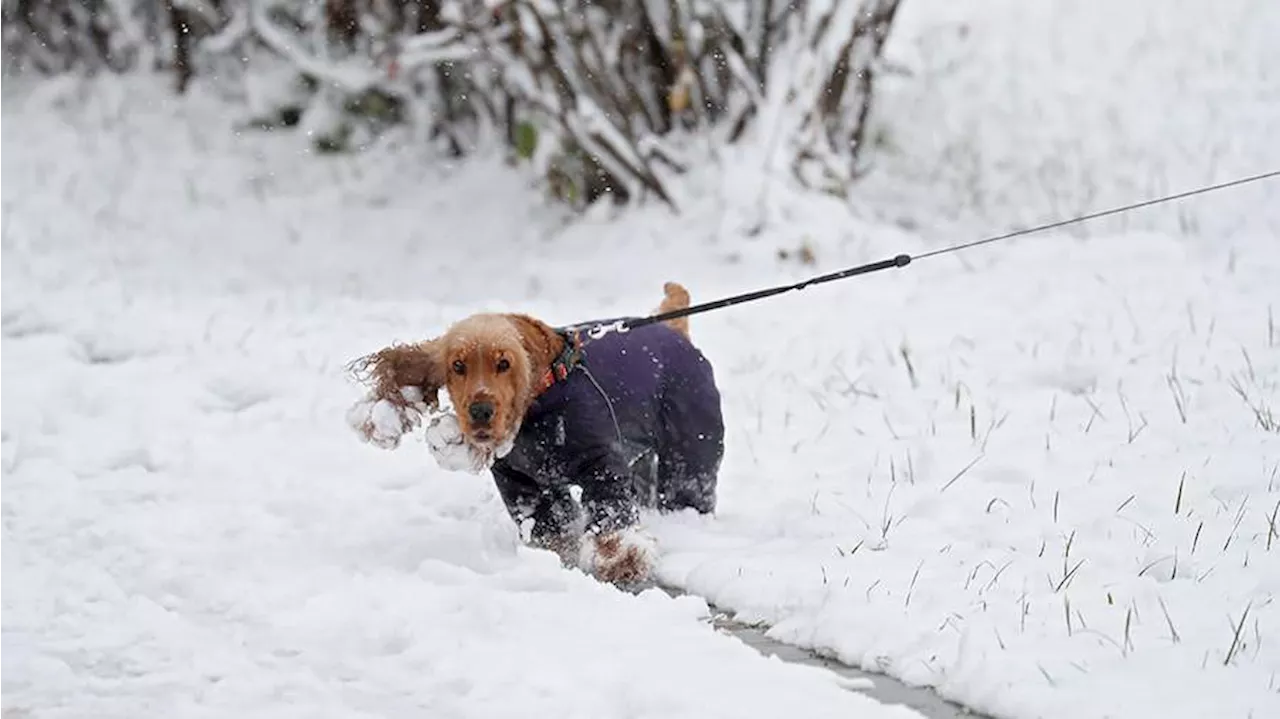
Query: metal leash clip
[598, 331]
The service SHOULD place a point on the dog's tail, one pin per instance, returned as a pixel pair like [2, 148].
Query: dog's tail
[675, 297]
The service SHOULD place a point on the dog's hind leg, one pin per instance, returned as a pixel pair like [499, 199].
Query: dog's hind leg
[691, 440]
[675, 297]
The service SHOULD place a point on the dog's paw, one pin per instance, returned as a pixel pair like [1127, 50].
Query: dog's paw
[452, 451]
[382, 422]
[448, 446]
[623, 558]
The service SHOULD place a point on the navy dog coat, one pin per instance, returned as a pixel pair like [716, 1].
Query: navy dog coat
[635, 423]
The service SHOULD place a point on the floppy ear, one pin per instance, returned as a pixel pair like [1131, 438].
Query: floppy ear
[541, 342]
[388, 370]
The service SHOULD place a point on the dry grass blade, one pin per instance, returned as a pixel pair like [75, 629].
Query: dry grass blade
[1066, 578]
[1235, 638]
[1173, 631]
[1272, 531]
[1128, 621]
[1263, 415]
[961, 473]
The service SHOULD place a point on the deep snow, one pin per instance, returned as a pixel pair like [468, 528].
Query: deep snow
[191, 529]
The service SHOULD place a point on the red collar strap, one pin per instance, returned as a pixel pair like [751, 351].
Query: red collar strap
[568, 359]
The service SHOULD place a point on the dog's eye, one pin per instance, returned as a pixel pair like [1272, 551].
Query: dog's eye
[459, 367]
[504, 364]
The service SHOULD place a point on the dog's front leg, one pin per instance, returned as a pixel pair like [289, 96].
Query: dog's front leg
[547, 516]
[615, 549]
[567, 546]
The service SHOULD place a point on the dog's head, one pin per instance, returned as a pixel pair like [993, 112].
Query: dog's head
[491, 365]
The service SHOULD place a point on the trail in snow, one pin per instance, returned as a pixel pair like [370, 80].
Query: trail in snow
[878, 686]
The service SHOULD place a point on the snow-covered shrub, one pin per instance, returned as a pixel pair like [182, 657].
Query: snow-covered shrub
[608, 88]
[60, 35]
[53, 36]
[600, 97]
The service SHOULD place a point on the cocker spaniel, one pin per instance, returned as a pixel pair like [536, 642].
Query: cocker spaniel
[632, 418]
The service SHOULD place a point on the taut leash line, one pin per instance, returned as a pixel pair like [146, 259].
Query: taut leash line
[1104, 213]
[898, 261]
[903, 260]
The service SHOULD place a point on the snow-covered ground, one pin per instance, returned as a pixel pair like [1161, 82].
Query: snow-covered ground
[1037, 476]
[190, 529]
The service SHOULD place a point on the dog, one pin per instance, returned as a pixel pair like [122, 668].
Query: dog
[632, 418]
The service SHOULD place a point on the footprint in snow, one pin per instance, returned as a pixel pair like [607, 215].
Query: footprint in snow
[104, 349]
[236, 395]
[1073, 379]
[128, 458]
[24, 322]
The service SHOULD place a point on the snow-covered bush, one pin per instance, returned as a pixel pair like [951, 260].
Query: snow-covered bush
[53, 36]
[601, 97]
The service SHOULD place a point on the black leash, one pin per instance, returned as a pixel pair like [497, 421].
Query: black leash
[902, 260]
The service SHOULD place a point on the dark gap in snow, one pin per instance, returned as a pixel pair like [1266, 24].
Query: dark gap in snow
[883, 688]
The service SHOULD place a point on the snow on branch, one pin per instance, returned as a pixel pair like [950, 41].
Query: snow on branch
[353, 76]
[598, 94]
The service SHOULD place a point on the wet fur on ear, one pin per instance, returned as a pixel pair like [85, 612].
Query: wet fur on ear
[402, 365]
[540, 340]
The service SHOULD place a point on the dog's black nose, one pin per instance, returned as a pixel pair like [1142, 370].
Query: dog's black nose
[481, 412]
